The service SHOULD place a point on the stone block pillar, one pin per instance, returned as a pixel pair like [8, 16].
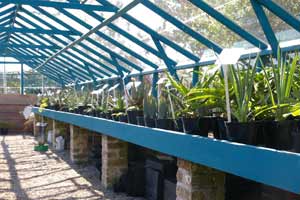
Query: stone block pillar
[114, 160]
[197, 182]
[79, 144]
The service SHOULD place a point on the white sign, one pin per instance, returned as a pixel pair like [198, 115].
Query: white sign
[229, 56]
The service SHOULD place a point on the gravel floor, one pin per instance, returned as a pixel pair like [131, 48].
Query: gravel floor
[26, 174]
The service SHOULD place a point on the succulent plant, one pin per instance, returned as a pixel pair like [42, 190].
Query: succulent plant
[150, 106]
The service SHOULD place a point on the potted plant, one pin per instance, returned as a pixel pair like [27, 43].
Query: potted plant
[243, 130]
[164, 119]
[149, 110]
[118, 108]
[195, 103]
[280, 81]
[135, 102]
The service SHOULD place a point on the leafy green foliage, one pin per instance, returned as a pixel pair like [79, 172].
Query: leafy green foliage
[280, 84]
[206, 95]
[242, 80]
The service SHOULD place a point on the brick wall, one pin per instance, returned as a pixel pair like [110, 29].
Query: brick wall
[11, 107]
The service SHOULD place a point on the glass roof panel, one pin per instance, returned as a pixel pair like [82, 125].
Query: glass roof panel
[282, 30]
[240, 12]
[37, 22]
[169, 31]
[3, 8]
[39, 15]
[200, 22]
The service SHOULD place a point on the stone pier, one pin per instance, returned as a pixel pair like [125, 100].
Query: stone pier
[79, 144]
[197, 182]
[114, 160]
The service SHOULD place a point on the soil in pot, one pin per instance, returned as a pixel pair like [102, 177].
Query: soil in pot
[132, 114]
[149, 122]
[167, 124]
[241, 132]
[140, 120]
[279, 134]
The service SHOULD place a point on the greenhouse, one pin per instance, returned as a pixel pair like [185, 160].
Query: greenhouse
[150, 99]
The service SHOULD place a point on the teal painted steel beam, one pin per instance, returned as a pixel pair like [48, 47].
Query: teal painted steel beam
[195, 77]
[180, 25]
[229, 24]
[295, 46]
[24, 55]
[169, 65]
[90, 49]
[154, 84]
[119, 67]
[95, 29]
[153, 33]
[282, 13]
[121, 32]
[276, 168]
[56, 4]
[36, 31]
[266, 26]
[29, 46]
[54, 37]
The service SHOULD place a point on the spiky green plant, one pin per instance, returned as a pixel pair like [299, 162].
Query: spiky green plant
[207, 94]
[242, 80]
[282, 77]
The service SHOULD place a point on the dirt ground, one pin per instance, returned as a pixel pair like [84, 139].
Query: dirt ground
[29, 175]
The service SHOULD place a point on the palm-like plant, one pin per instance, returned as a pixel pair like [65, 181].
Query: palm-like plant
[280, 84]
[208, 93]
[242, 80]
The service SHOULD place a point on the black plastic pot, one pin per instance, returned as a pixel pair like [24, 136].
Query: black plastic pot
[179, 125]
[196, 126]
[132, 114]
[149, 122]
[167, 124]
[140, 120]
[221, 133]
[279, 135]
[241, 132]
[3, 131]
[101, 115]
[190, 125]
[108, 115]
[80, 109]
[123, 118]
[115, 117]
[204, 126]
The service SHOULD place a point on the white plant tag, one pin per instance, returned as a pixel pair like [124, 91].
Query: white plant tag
[229, 56]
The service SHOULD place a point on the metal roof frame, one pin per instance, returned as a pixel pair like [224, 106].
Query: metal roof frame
[63, 53]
